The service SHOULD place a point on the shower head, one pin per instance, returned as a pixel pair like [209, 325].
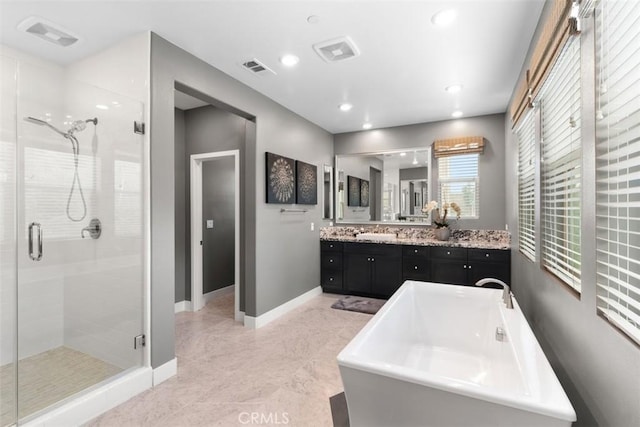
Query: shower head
[76, 126]
[43, 123]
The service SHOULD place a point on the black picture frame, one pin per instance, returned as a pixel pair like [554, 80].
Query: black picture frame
[306, 183]
[364, 193]
[280, 179]
[353, 190]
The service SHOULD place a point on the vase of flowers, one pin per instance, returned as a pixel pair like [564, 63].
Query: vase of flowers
[442, 230]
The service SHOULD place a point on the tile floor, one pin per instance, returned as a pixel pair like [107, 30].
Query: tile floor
[47, 378]
[281, 374]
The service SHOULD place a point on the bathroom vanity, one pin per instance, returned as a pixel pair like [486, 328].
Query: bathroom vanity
[377, 268]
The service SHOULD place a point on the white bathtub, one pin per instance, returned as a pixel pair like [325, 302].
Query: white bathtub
[430, 358]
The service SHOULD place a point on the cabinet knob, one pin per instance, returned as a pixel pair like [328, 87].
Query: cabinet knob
[373, 259]
[369, 259]
[331, 260]
[469, 267]
[415, 251]
[448, 252]
[415, 267]
[464, 266]
[487, 255]
[330, 246]
[331, 279]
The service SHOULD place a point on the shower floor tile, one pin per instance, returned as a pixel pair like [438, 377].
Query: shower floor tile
[49, 377]
[283, 373]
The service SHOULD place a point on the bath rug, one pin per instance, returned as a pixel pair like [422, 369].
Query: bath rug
[339, 411]
[359, 304]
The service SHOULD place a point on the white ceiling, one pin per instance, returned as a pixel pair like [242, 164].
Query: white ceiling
[399, 78]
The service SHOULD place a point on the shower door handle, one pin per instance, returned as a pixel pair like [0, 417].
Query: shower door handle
[38, 256]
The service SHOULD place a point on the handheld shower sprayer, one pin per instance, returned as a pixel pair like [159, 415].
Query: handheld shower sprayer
[76, 126]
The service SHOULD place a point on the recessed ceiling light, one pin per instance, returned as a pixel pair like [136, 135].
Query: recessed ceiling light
[453, 88]
[345, 107]
[102, 107]
[289, 60]
[366, 126]
[313, 19]
[444, 17]
[456, 114]
[403, 154]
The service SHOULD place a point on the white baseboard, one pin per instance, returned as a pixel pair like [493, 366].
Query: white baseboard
[239, 317]
[165, 371]
[183, 306]
[271, 315]
[217, 293]
[97, 402]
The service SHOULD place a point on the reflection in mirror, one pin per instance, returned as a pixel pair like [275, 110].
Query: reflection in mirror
[385, 187]
[327, 192]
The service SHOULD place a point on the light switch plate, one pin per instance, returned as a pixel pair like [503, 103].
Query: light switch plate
[209, 223]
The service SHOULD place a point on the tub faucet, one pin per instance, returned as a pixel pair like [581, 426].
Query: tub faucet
[506, 293]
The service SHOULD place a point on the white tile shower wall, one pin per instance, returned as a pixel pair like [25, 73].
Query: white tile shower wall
[104, 297]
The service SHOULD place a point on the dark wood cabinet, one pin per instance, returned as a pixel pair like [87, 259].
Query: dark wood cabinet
[372, 269]
[462, 266]
[378, 270]
[331, 260]
[415, 263]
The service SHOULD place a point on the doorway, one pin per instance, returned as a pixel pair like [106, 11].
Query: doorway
[209, 234]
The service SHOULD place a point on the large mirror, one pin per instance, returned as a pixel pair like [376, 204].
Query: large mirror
[327, 192]
[383, 187]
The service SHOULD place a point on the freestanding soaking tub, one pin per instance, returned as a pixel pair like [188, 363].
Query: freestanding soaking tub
[443, 355]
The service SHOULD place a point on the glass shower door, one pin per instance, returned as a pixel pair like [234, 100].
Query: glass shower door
[79, 238]
[8, 272]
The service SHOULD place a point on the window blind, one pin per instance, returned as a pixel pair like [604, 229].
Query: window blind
[561, 167]
[459, 183]
[618, 164]
[526, 134]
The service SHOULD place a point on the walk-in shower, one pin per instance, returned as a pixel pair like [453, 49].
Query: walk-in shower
[76, 126]
[70, 307]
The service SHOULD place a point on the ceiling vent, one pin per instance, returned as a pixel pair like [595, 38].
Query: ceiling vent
[47, 31]
[336, 50]
[256, 67]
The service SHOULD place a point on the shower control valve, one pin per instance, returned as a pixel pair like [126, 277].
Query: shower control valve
[94, 229]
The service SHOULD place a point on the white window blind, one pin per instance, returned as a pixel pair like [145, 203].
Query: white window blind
[561, 167]
[459, 183]
[526, 134]
[618, 164]
[48, 176]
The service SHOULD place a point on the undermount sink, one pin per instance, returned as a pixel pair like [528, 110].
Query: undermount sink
[379, 237]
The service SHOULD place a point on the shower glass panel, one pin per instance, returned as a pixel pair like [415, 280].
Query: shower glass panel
[79, 234]
[8, 276]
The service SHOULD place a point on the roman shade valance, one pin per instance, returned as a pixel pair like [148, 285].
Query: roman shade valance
[559, 25]
[453, 146]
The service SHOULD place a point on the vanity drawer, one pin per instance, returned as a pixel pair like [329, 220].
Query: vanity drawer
[413, 267]
[489, 255]
[331, 279]
[420, 251]
[331, 260]
[331, 246]
[444, 252]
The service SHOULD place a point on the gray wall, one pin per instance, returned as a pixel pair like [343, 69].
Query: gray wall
[204, 130]
[182, 267]
[491, 164]
[599, 368]
[281, 253]
[218, 195]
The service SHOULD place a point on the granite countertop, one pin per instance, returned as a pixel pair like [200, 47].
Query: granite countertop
[479, 239]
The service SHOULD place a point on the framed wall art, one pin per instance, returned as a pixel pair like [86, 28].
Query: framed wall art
[306, 183]
[280, 179]
[353, 189]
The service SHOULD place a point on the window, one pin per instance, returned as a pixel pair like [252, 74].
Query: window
[48, 178]
[618, 165]
[458, 182]
[526, 134]
[561, 167]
